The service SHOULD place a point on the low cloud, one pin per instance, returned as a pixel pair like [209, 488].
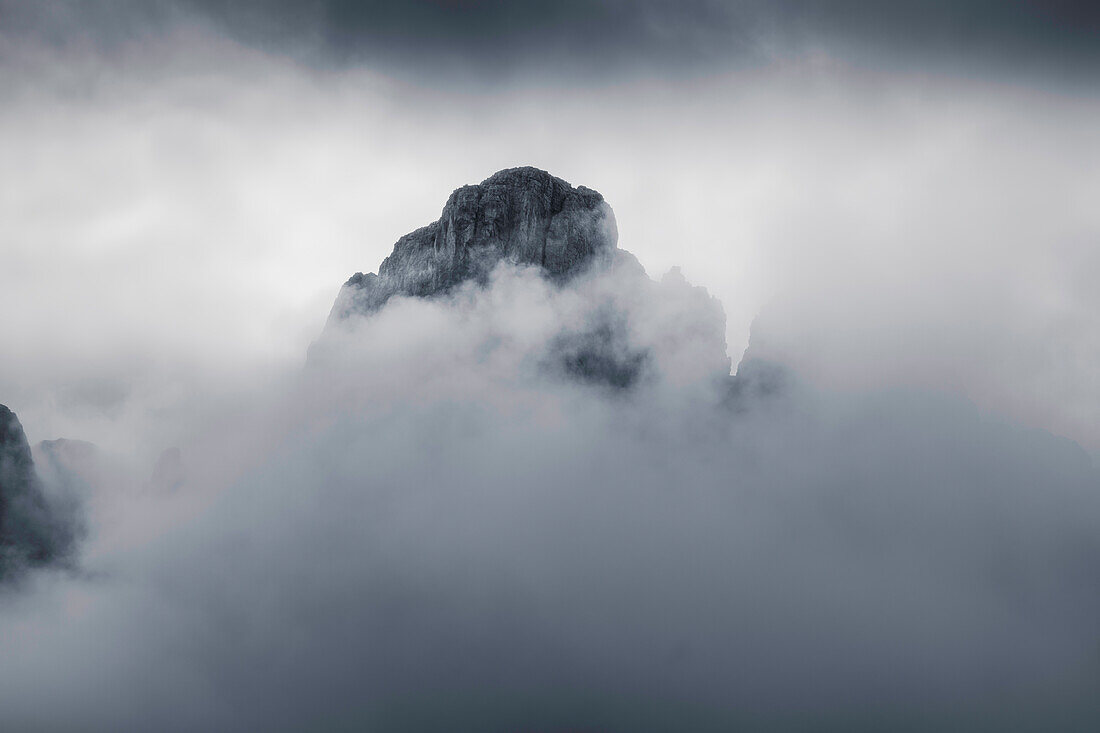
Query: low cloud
[430, 529]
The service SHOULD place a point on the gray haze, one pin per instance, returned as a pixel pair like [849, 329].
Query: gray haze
[439, 529]
[434, 531]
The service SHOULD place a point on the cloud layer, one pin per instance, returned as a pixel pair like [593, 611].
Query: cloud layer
[430, 528]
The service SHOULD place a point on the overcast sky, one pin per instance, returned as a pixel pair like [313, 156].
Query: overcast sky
[896, 200]
[908, 186]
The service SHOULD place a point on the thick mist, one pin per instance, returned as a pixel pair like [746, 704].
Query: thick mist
[432, 527]
[434, 524]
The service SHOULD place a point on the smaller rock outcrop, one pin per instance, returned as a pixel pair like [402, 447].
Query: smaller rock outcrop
[760, 379]
[32, 530]
[169, 473]
[72, 468]
[600, 354]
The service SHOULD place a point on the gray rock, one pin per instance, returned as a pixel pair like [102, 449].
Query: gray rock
[529, 217]
[32, 530]
[522, 215]
[599, 353]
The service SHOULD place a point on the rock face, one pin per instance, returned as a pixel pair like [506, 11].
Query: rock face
[529, 217]
[523, 215]
[32, 532]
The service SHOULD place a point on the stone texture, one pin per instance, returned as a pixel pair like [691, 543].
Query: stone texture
[599, 352]
[522, 215]
[32, 532]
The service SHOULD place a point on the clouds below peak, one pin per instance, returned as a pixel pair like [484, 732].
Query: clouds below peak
[431, 529]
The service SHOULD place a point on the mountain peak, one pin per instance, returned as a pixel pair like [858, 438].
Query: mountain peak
[523, 215]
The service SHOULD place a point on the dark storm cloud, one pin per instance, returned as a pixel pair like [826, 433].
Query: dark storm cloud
[572, 39]
[1015, 36]
[493, 37]
[585, 36]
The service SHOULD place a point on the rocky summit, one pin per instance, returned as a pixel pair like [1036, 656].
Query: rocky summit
[522, 215]
[528, 217]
